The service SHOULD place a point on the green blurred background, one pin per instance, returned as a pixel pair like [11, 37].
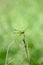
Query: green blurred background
[21, 14]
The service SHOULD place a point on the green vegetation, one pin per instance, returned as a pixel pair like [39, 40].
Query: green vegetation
[21, 15]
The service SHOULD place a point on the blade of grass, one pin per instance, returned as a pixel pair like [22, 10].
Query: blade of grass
[6, 59]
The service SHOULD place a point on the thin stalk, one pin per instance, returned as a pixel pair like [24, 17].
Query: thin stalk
[6, 59]
[25, 46]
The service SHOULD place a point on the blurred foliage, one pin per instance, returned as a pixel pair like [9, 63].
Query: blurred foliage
[21, 15]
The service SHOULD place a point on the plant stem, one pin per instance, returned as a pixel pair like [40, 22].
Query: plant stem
[6, 61]
[25, 46]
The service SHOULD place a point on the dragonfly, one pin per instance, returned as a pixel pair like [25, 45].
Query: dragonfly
[24, 41]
